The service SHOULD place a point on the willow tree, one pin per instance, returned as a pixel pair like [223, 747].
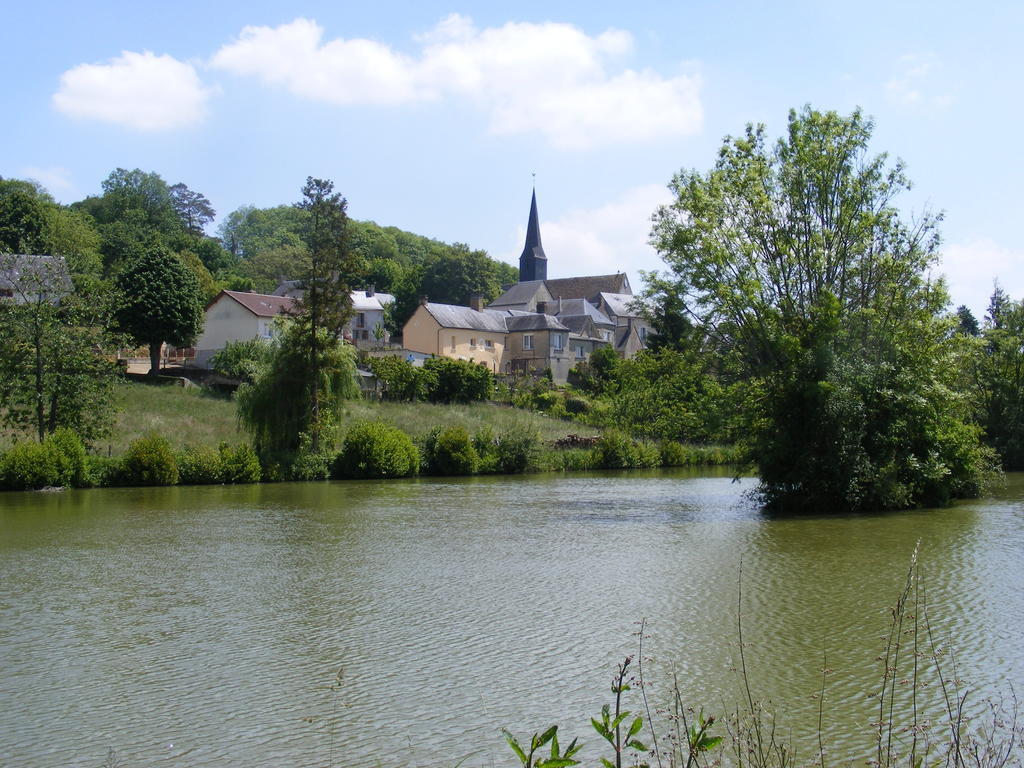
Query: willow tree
[275, 408]
[794, 259]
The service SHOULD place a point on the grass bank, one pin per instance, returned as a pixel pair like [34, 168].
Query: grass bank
[196, 416]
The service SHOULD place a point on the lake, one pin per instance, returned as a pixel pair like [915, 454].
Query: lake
[205, 626]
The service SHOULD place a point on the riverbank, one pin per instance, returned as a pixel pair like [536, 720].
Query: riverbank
[169, 435]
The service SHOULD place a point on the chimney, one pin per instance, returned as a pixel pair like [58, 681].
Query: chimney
[423, 300]
[476, 301]
[371, 291]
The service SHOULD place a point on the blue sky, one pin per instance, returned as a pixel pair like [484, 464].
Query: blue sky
[433, 117]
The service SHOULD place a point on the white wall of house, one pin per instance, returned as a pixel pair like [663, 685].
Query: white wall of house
[227, 320]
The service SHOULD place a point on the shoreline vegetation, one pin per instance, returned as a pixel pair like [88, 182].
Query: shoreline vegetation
[167, 435]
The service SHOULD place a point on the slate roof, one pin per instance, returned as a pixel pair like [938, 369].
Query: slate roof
[451, 316]
[531, 321]
[35, 275]
[588, 287]
[260, 304]
[496, 321]
[571, 308]
[620, 304]
[520, 294]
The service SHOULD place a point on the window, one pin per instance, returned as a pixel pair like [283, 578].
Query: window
[360, 320]
[556, 341]
[643, 333]
[453, 343]
[488, 344]
[472, 343]
[579, 351]
[527, 341]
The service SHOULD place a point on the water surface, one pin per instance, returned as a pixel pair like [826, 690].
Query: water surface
[204, 626]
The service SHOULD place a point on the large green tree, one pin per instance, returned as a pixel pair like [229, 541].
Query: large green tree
[159, 301]
[998, 378]
[794, 260]
[55, 370]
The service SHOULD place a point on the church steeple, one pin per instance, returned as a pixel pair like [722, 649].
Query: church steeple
[533, 264]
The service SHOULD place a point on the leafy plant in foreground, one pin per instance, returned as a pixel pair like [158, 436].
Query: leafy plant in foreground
[609, 727]
[556, 759]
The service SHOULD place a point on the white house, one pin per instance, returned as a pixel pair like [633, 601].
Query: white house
[238, 316]
[368, 308]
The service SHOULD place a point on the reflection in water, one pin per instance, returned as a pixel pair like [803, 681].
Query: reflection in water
[197, 626]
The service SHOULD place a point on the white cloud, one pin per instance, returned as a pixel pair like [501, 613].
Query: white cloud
[55, 178]
[550, 78]
[604, 240]
[971, 268]
[915, 83]
[141, 91]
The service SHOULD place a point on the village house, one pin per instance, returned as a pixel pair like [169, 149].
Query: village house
[367, 327]
[238, 316]
[538, 324]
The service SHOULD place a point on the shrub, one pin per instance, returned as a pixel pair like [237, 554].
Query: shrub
[199, 466]
[572, 459]
[674, 454]
[616, 450]
[239, 464]
[373, 449]
[149, 461]
[401, 379]
[72, 458]
[28, 465]
[576, 406]
[457, 381]
[450, 452]
[486, 446]
[518, 449]
[242, 360]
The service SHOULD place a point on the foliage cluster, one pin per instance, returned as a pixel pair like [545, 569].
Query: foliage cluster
[227, 464]
[59, 460]
[439, 380]
[372, 450]
[242, 360]
[813, 294]
[276, 407]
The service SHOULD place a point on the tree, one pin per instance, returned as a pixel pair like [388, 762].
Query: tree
[54, 370]
[275, 408]
[326, 302]
[159, 301]
[193, 209]
[998, 381]
[795, 262]
[967, 323]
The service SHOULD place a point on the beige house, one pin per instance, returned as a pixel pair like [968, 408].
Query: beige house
[461, 333]
[238, 316]
[506, 341]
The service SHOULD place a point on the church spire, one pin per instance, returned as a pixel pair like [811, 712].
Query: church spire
[533, 264]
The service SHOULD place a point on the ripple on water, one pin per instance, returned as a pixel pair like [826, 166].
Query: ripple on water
[205, 626]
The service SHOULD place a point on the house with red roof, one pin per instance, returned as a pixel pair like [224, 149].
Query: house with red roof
[239, 316]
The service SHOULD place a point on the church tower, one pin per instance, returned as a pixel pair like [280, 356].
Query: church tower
[533, 264]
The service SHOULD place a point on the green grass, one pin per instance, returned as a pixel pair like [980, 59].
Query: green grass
[191, 416]
[194, 416]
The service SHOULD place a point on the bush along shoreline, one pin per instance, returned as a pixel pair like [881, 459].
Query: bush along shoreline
[368, 450]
